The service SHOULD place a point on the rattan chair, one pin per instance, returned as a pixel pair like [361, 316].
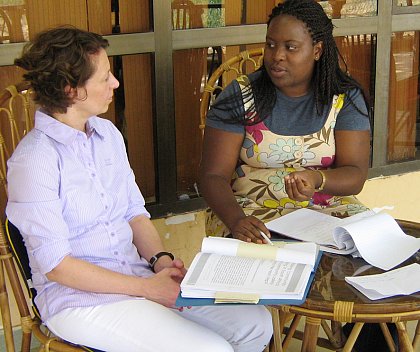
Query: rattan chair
[16, 112]
[245, 62]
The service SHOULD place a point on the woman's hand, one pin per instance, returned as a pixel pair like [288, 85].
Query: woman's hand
[166, 262]
[249, 229]
[345, 177]
[179, 264]
[301, 185]
[163, 288]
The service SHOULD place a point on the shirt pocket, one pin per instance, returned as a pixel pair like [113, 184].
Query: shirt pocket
[82, 202]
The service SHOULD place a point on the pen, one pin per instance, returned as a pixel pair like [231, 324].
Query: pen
[266, 238]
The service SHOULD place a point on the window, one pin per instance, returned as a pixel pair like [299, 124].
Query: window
[403, 117]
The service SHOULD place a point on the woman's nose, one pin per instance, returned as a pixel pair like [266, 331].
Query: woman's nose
[279, 54]
[114, 82]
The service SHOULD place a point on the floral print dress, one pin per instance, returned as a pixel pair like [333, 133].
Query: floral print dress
[266, 158]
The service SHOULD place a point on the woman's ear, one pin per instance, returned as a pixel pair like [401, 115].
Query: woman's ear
[80, 93]
[76, 93]
[318, 49]
[70, 92]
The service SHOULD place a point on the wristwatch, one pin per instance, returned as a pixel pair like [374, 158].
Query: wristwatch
[155, 258]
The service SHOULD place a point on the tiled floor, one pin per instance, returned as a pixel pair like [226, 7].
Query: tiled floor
[293, 347]
[17, 335]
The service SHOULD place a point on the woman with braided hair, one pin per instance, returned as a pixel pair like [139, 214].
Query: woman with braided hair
[294, 134]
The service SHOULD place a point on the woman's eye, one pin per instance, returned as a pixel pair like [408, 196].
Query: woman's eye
[270, 45]
[291, 47]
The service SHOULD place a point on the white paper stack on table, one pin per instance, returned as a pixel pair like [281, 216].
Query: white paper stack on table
[401, 281]
[376, 237]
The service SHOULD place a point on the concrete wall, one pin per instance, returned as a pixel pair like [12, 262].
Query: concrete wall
[400, 191]
[182, 234]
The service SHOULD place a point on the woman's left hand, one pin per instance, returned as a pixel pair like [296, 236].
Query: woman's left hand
[167, 262]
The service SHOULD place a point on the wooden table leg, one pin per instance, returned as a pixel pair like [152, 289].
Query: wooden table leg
[334, 333]
[388, 338]
[310, 334]
[352, 337]
[291, 331]
[277, 330]
[404, 339]
[416, 339]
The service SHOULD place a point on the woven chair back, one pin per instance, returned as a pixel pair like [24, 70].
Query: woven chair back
[245, 62]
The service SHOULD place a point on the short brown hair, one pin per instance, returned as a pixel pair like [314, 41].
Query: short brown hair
[58, 58]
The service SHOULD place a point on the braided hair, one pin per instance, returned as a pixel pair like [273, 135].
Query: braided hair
[328, 79]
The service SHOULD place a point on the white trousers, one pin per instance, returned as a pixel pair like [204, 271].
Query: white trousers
[139, 325]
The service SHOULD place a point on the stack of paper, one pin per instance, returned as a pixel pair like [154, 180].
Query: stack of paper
[402, 281]
[376, 237]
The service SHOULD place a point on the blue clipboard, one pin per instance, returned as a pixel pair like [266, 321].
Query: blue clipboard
[185, 302]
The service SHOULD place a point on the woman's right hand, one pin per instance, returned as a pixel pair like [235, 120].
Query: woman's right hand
[249, 229]
[164, 287]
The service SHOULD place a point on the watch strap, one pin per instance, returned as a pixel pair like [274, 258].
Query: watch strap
[155, 258]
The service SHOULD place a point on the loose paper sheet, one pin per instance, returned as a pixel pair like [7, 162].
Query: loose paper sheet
[402, 281]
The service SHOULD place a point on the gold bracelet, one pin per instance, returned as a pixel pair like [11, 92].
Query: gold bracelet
[322, 185]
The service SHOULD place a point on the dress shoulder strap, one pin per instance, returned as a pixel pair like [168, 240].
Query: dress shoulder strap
[247, 94]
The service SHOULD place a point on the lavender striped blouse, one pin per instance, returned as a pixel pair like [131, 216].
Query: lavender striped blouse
[73, 193]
